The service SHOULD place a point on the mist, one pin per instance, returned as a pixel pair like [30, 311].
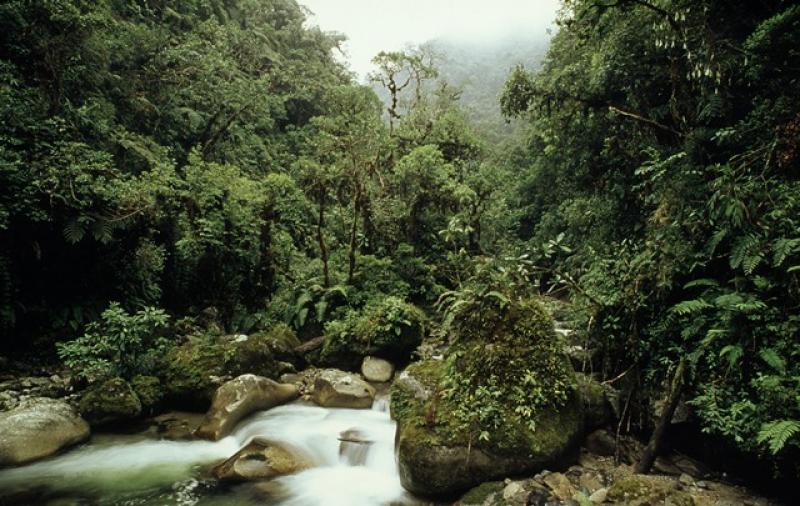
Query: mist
[372, 26]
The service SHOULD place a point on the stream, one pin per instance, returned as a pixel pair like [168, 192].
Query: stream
[134, 470]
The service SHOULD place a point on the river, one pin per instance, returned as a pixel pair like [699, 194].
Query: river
[137, 470]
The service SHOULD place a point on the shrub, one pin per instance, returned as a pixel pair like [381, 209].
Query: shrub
[390, 328]
[118, 344]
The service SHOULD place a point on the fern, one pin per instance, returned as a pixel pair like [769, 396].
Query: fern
[690, 306]
[776, 434]
[782, 249]
[773, 360]
[743, 250]
[733, 353]
[74, 231]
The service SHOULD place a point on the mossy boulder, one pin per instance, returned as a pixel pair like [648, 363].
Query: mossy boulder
[110, 401]
[595, 397]
[390, 329]
[149, 391]
[503, 403]
[195, 369]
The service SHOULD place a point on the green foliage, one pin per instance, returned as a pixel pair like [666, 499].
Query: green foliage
[507, 362]
[387, 327]
[777, 434]
[665, 160]
[118, 344]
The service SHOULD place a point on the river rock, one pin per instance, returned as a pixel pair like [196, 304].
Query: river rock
[111, 401]
[338, 389]
[261, 459]
[238, 398]
[38, 428]
[376, 369]
[436, 463]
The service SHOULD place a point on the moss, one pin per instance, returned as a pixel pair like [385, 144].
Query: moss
[482, 492]
[643, 490]
[505, 395]
[593, 395]
[149, 391]
[390, 329]
[110, 401]
[189, 369]
[192, 370]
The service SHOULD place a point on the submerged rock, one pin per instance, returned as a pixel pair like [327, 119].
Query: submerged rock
[37, 428]
[376, 369]
[111, 401]
[338, 389]
[261, 459]
[238, 398]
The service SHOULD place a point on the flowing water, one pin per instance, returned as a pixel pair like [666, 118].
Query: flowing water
[137, 471]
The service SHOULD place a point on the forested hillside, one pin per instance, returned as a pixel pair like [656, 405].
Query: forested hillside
[195, 190]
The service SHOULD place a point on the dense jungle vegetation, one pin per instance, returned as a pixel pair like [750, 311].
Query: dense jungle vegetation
[208, 166]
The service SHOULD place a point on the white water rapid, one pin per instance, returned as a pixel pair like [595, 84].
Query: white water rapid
[130, 470]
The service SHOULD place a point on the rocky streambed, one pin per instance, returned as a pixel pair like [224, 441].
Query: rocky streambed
[325, 437]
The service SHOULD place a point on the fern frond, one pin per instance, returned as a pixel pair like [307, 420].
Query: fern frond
[690, 306]
[772, 359]
[776, 434]
[74, 231]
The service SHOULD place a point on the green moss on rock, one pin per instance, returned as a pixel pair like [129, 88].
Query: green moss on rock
[194, 370]
[149, 391]
[504, 402]
[479, 494]
[110, 401]
[390, 329]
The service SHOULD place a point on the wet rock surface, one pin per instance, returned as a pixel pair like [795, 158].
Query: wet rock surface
[37, 428]
[240, 397]
[261, 459]
[339, 389]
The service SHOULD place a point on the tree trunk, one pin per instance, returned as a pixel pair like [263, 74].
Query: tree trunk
[657, 438]
[352, 255]
[323, 250]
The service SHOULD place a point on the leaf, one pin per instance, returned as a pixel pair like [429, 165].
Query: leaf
[776, 434]
[772, 359]
[690, 306]
[733, 352]
[706, 282]
[74, 231]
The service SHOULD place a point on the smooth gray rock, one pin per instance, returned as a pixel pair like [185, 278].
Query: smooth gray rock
[38, 428]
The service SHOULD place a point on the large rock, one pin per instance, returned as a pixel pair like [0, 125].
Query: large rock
[195, 369]
[238, 398]
[261, 459]
[377, 369]
[38, 428]
[110, 401]
[436, 459]
[338, 389]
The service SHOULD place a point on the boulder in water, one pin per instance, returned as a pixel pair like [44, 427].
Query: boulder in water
[238, 398]
[111, 401]
[37, 428]
[376, 369]
[502, 402]
[261, 459]
[338, 389]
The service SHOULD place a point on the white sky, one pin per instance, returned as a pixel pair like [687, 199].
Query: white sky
[375, 25]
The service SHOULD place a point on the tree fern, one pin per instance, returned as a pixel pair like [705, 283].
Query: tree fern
[776, 434]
